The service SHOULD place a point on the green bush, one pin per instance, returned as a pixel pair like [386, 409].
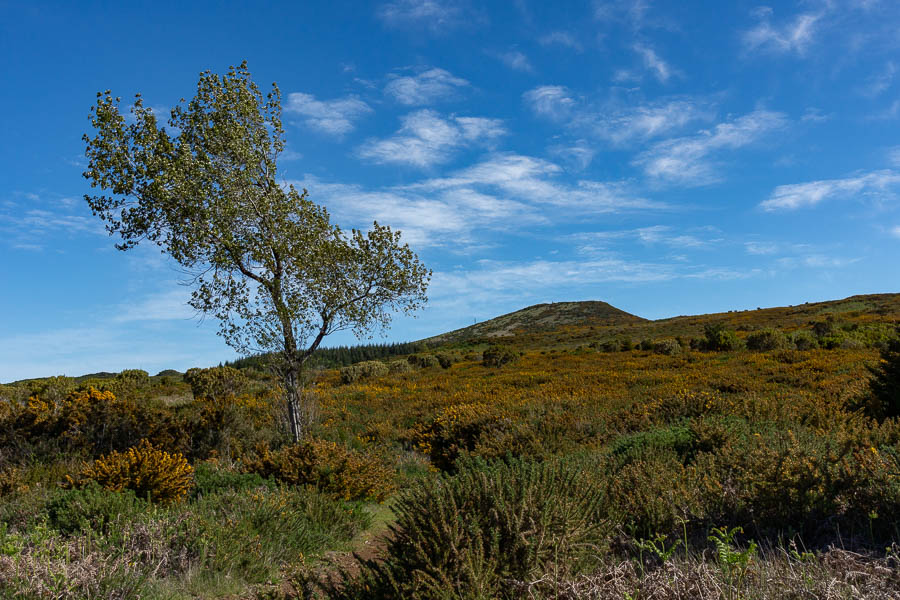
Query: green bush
[498, 355]
[467, 536]
[399, 366]
[885, 383]
[212, 478]
[329, 467]
[423, 361]
[667, 347]
[92, 508]
[767, 339]
[131, 379]
[216, 382]
[363, 370]
[611, 346]
[804, 340]
[446, 360]
[718, 338]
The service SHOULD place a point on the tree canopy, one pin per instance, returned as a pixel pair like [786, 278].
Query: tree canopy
[263, 257]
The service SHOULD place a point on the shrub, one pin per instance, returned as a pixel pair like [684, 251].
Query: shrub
[145, 470]
[498, 355]
[476, 429]
[804, 340]
[446, 360]
[132, 379]
[626, 345]
[468, 535]
[212, 478]
[423, 361]
[767, 339]
[216, 382]
[363, 370]
[611, 346]
[646, 344]
[718, 338]
[885, 383]
[667, 347]
[399, 366]
[327, 466]
[92, 508]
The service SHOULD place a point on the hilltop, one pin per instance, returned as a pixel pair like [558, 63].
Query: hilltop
[543, 317]
[570, 324]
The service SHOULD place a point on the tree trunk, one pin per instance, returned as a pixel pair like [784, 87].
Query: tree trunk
[294, 392]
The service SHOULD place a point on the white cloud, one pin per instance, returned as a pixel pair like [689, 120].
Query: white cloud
[790, 37]
[424, 88]
[333, 117]
[531, 179]
[880, 82]
[653, 235]
[516, 60]
[877, 184]
[615, 123]
[560, 38]
[761, 248]
[171, 305]
[687, 160]
[633, 12]
[427, 217]
[653, 63]
[578, 156]
[426, 139]
[896, 231]
[552, 101]
[438, 16]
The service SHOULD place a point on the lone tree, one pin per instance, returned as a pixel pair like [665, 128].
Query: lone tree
[264, 259]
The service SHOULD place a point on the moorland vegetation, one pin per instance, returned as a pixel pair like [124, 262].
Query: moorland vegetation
[751, 454]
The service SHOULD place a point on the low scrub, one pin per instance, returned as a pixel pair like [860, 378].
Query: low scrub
[329, 467]
[364, 370]
[468, 535]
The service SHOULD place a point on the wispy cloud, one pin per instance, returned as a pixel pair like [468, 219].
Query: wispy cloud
[653, 235]
[633, 12]
[427, 217]
[560, 38]
[689, 160]
[877, 184]
[437, 16]
[614, 122]
[879, 83]
[519, 176]
[895, 231]
[893, 156]
[793, 36]
[653, 63]
[171, 305]
[516, 61]
[333, 117]
[426, 87]
[761, 248]
[427, 139]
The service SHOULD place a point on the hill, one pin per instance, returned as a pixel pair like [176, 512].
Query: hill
[542, 317]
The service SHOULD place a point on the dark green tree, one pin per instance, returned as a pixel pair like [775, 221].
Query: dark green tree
[885, 382]
[263, 258]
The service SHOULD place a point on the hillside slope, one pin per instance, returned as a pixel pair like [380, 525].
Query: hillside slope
[543, 317]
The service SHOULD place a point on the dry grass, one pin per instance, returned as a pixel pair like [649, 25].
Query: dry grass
[835, 574]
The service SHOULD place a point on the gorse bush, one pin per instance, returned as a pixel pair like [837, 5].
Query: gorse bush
[93, 508]
[667, 347]
[498, 355]
[473, 429]
[147, 471]
[767, 339]
[364, 370]
[885, 383]
[216, 382]
[469, 535]
[423, 361]
[329, 467]
[719, 338]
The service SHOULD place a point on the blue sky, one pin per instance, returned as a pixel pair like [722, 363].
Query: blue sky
[664, 157]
